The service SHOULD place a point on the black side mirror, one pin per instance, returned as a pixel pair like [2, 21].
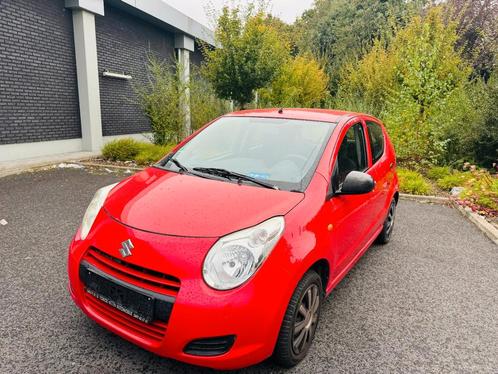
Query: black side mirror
[356, 183]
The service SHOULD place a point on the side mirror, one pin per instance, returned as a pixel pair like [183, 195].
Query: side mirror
[356, 183]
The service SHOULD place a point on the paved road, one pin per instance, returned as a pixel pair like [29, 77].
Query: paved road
[427, 302]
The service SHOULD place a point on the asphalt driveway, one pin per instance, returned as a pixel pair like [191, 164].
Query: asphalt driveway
[426, 302]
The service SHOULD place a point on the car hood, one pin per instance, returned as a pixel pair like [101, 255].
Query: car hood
[169, 203]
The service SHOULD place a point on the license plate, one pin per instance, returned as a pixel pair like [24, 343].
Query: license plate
[125, 299]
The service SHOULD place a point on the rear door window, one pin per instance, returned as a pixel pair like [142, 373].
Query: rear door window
[376, 136]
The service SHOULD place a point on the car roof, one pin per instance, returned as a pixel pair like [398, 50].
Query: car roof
[323, 115]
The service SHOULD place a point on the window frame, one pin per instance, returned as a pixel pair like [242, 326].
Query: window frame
[370, 143]
[366, 144]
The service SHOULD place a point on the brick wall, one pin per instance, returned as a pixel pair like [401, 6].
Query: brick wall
[123, 42]
[38, 87]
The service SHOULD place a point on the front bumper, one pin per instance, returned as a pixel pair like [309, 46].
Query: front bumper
[252, 313]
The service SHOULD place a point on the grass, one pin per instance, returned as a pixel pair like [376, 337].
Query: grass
[142, 153]
[413, 182]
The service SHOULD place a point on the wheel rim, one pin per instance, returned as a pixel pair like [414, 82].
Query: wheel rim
[390, 218]
[306, 320]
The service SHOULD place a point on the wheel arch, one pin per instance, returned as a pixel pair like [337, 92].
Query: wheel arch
[322, 267]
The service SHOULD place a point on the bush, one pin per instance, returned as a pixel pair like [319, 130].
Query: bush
[302, 83]
[413, 182]
[131, 150]
[152, 153]
[161, 97]
[122, 149]
[481, 188]
[438, 172]
[456, 179]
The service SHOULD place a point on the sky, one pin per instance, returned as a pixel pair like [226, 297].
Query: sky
[287, 10]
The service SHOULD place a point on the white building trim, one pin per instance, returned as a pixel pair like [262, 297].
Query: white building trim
[21, 151]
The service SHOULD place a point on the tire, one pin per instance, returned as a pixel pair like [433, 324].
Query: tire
[288, 351]
[387, 229]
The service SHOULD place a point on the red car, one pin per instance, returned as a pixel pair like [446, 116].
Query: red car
[222, 253]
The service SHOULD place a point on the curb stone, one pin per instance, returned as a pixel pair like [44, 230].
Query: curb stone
[422, 198]
[109, 166]
[487, 228]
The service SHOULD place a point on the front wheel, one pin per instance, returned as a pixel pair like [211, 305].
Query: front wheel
[300, 321]
[387, 229]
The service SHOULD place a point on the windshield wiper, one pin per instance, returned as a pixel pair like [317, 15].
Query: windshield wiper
[231, 174]
[180, 165]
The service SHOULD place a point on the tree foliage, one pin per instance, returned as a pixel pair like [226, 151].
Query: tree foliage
[418, 85]
[477, 27]
[340, 31]
[302, 82]
[248, 56]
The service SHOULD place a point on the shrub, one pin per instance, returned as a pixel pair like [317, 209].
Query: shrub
[204, 105]
[161, 98]
[152, 153]
[413, 182]
[481, 188]
[121, 149]
[456, 179]
[438, 172]
[302, 82]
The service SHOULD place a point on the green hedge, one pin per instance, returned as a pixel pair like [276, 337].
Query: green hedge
[131, 150]
[412, 182]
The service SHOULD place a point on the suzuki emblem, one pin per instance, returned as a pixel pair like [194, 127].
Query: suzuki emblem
[126, 248]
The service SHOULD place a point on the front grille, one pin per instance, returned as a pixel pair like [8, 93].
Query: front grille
[210, 346]
[153, 332]
[149, 279]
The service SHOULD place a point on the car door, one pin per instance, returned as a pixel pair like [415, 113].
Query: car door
[380, 170]
[349, 214]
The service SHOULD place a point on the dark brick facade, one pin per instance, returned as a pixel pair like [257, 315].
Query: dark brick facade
[38, 87]
[123, 42]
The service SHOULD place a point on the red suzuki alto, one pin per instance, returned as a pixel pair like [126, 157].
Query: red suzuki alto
[222, 253]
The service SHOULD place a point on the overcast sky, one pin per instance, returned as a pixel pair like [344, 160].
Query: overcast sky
[288, 10]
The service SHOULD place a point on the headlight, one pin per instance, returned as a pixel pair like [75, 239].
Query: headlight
[94, 209]
[236, 257]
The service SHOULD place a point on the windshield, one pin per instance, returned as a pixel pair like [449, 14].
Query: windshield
[282, 152]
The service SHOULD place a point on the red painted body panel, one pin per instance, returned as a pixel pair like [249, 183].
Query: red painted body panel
[169, 203]
[173, 221]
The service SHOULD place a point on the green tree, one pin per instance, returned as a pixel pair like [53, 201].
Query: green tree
[248, 55]
[477, 28]
[301, 83]
[340, 31]
[418, 85]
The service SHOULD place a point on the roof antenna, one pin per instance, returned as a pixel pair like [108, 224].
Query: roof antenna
[281, 110]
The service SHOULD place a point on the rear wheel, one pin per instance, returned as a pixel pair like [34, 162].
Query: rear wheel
[387, 229]
[300, 321]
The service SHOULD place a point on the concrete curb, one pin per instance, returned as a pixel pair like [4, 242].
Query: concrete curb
[487, 228]
[425, 199]
[108, 166]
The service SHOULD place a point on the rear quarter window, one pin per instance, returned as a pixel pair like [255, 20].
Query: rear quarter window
[376, 136]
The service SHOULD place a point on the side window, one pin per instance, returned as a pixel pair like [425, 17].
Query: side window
[376, 137]
[352, 155]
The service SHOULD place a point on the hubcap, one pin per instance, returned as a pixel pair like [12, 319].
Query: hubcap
[390, 217]
[306, 319]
